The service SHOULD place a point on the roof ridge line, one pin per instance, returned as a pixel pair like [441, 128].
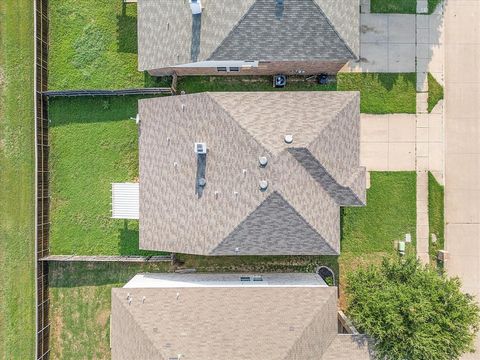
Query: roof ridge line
[236, 122]
[318, 312]
[160, 350]
[335, 30]
[232, 29]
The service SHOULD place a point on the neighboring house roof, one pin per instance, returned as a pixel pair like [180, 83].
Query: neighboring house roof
[285, 316]
[308, 180]
[169, 35]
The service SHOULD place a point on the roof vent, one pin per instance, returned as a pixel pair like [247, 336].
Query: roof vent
[263, 185]
[263, 160]
[288, 139]
[200, 148]
[202, 181]
[196, 6]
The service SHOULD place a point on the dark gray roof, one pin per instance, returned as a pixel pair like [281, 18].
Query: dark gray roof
[299, 30]
[299, 213]
[169, 35]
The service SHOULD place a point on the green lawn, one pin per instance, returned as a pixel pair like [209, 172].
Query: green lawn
[382, 93]
[390, 214]
[393, 6]
[368, 233]
[93, 143]
[435, 92]
[80, 306]
[400, 6]
[93, 45]
[195, 84]
[435, 214]
[80, 295]
[17, 230]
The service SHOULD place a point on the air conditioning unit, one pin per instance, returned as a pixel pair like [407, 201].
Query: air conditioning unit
[200, 148]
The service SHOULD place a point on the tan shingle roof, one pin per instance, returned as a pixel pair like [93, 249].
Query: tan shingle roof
[216, 316]
[169, 35]
[223, 323]
[308, 179]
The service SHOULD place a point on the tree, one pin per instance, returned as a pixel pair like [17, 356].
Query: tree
[412, 312]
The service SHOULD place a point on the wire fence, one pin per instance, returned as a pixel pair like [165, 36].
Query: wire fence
[42, 192]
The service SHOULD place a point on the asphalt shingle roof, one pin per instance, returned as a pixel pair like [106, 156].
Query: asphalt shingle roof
[299, 211]
[296, 320]
[169, 35]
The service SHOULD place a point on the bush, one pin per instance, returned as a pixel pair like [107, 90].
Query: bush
[412, 312]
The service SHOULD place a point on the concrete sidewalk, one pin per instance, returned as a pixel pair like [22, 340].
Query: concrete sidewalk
[462, 136]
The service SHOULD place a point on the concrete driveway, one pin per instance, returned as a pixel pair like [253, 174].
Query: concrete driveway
[387, 43]
[388, 142]
[462, 136]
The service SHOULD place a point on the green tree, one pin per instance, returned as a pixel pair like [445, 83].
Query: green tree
[411, 312]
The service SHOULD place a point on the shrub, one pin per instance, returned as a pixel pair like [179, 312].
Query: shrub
[412, 312]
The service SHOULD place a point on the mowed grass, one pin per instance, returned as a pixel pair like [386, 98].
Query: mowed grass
[93, 143]
[93, 45]
[80, 294]
[369, 233]
[195, 84]
[393, 6]
[435, 215]
[435, 92]
[381, 93]
[390, 214]
[17, 230]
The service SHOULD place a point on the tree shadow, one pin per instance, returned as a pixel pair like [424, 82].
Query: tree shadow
[127, 38]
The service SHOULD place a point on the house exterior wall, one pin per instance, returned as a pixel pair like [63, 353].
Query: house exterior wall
[264, 68]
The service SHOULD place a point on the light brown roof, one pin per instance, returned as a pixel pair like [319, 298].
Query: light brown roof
[223, 323]
[308, 180]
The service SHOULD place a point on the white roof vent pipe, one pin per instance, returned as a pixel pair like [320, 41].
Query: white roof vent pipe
[288, 139]
[196, 6]
[263, 161]
[263, 185]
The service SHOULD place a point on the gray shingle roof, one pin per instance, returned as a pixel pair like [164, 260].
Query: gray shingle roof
[169, 35]
[299, 211]
[294, 318]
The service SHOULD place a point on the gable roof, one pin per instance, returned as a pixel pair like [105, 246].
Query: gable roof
[169, 35]
[217, 316]
[299, 211]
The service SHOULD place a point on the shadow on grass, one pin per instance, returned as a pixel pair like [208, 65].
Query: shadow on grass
[260, 264]
[127, 32]
[73, 274]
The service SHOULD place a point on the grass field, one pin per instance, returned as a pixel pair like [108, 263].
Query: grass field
[17, 230]
[93, 143]
[93, 45]
[435, 214]
[393, 6]
[368, 233]
[382, 93]
[435, 92]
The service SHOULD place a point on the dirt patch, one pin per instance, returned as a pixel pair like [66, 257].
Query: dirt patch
[102, 317]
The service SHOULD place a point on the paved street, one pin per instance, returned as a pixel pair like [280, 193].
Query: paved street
[462, 136]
